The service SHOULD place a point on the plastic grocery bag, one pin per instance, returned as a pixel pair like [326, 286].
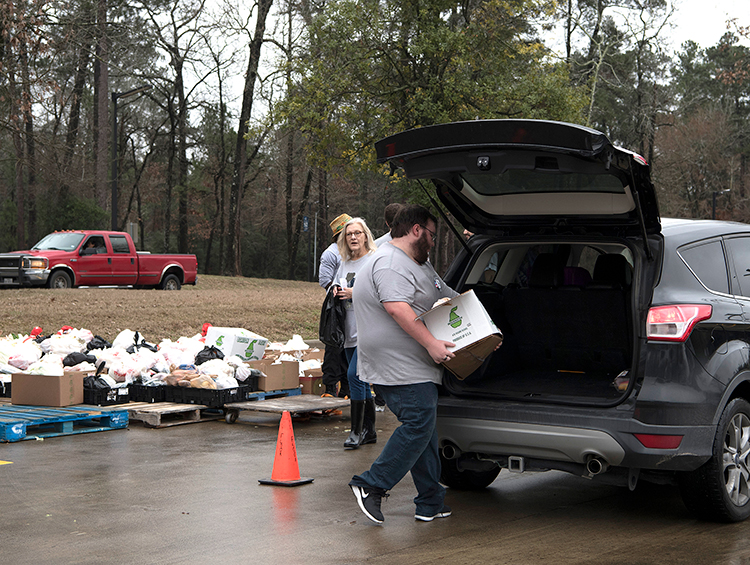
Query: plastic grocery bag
[208, 353]
[332, 315]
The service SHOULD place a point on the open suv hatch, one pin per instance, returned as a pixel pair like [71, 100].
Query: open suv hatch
[625, 351]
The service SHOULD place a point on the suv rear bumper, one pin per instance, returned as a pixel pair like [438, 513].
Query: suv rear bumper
[581, 437]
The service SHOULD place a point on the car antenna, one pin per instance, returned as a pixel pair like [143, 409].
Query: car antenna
[447, 221]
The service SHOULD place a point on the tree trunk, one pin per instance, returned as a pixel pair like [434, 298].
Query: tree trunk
[101, 114]
[234, 233]
[296, 232]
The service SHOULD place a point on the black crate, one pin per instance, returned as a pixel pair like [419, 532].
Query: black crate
[106, 396]
[208, 397]
[251, 383]
[143, 393]
[4, 390]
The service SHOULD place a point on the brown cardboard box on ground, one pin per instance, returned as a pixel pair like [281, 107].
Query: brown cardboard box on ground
[314, 354]
[47, 390]
[311, 385]
[279, 376]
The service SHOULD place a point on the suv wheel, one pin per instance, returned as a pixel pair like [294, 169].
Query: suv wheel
[466, 479]
[720, 489]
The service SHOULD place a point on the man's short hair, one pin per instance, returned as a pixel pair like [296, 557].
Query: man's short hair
[409, 215]
[389, 214]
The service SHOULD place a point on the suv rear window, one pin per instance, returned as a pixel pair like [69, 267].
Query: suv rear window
[525, 182]
[707, 262]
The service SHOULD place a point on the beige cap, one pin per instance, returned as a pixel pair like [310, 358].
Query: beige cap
[338, 224]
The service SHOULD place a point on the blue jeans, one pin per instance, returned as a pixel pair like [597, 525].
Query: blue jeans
[358, 390]
[413, 446]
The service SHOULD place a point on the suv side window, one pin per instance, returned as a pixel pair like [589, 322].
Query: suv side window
[740, 248]
[708, 263]
[119, 244]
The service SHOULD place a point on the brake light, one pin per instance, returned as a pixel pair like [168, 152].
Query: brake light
[655, 441]
[675, 322]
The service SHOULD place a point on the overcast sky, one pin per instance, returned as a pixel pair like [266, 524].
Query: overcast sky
[704, 21]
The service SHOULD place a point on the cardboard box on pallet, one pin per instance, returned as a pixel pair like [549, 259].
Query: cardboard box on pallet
[237, 341]
[278, 376]
[314, 354]
[311, 385]
[47, 390]
[464, 321]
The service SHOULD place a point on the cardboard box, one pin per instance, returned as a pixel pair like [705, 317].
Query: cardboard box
[312, 385]
[314, 354]
[279, 376]
[47, 390]
[237, 341]
[464, 321]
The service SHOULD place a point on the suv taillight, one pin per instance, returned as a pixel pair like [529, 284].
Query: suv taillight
[675, 322]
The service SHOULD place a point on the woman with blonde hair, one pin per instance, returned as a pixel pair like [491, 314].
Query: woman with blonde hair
[356, 246]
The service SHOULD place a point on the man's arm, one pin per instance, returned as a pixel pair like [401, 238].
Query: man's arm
[405, 317]
[329, 264]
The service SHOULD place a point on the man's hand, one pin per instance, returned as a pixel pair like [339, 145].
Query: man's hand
[439, 351]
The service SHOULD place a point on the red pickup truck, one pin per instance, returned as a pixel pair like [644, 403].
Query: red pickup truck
[67, 259]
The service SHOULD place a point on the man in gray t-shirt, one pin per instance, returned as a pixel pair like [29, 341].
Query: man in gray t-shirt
[397, 352]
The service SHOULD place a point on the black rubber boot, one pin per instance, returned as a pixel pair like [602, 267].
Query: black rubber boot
[369, 435]
[358, 414]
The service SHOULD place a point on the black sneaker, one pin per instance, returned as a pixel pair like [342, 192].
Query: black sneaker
[369, 502]
[444, 513]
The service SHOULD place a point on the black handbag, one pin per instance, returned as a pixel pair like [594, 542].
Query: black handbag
[332, 316]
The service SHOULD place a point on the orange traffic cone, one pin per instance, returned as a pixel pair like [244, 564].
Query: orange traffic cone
[285, 467]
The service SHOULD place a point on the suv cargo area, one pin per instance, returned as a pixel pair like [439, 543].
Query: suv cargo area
[565, 311]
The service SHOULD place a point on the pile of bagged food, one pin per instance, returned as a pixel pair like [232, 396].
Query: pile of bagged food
[195, 361]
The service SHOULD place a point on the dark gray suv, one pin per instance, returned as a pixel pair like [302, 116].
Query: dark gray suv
[626, 352]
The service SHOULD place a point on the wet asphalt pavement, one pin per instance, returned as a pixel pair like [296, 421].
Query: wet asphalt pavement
[190, 494]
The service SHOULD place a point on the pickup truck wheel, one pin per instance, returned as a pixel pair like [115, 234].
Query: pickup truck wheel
[719, 490]
[171, 282]
[60, 279]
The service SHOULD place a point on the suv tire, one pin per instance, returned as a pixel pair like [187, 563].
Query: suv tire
[468, 479]
[719, 490]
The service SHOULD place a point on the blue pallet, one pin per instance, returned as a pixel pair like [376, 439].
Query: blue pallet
[263, 394]
[18, 423]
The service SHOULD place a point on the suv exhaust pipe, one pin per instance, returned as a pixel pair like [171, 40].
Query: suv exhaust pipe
[451, 451]
[596, 465]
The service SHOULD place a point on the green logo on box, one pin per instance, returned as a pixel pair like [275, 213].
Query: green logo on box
[249, 350]
[454, 320]
[220, 341]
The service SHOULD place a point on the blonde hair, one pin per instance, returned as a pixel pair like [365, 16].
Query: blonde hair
[369, 241]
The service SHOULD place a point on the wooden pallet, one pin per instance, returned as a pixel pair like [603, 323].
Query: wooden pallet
[18, 422]
[295, 405]
[166, 414]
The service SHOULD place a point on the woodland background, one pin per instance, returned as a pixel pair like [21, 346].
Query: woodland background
[258, 119]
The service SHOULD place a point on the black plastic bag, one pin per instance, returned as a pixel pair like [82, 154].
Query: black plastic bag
[94, 383]
[74, 358]
[98, 343]
[139, 342]
[332, 316]
[207, 353]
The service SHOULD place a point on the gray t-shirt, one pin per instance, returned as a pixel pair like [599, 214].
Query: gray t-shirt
[386, 354]
[383, 239]
[330, 260]
[348, 271]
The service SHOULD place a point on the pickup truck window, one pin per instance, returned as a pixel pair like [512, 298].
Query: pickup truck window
[94, 245]
[60, 241]
[119, 244]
